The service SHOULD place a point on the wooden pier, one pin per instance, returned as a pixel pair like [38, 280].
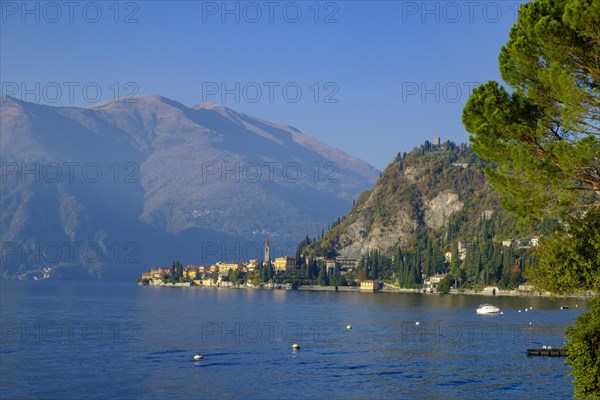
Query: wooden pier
[557, 352]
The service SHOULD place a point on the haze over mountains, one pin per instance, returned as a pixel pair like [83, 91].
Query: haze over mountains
[109, 190]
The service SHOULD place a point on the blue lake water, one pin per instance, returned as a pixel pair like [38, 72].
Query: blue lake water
[90, 340]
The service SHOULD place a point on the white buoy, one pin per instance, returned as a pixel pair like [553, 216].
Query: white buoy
[198, 357]
[519, 310]
[526, 309]
[501, 312]
[349, 327]
[295, 346]
[417, 323]
[531, 308]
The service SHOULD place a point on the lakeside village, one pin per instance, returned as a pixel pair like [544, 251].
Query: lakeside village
[306, 273]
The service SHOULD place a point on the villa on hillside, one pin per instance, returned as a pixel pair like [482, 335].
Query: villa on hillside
[462, 250]
[332, 267]
[285, 264]
[190, 272]
[448, 256]
[252, 265]
[224, 267]
[522, 243]
[157, 273]
[431, 283]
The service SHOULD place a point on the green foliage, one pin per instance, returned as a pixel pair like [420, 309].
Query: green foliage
[551, 57]
[374, 264]
[254, 278]
[543, 137]
[336, 280]
[407, 268]
[323, 279]
[236, 277]
[444, 285]
[455, 270]
[432, 170]
[569, 258]
[265, 272]
[543, 142]
[583, 353]
[176, 273]
[528, 158]
[486, 263]
[300, 252]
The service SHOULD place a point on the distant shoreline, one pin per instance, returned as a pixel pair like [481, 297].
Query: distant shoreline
[488, 291]
[499, 293]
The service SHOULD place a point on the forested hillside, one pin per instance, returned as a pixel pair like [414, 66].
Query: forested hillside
[431, 211]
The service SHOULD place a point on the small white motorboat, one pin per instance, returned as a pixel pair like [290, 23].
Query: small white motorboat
[487, 309]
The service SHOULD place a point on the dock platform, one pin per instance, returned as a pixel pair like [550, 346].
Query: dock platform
[557, 352]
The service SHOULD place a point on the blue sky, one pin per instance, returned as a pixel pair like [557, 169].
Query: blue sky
[371, 78]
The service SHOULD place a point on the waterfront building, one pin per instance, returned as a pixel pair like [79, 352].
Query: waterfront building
[283, 264]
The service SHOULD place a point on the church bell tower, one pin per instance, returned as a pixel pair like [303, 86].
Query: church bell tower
[267, 252]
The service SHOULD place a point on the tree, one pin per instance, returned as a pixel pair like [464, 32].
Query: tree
[313, 269]
[335, 280]
[569, 266]
[300, 251]
[236, 276]
[444, 285]
[455, 269]
[266, 271]
[176, 272]
[530, 154]
[545, 133]
[583, 349]
[323, 279]
[552, 58]
[542, 138]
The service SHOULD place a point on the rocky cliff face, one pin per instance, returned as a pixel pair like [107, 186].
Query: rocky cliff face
[423, 192]
[440, 208]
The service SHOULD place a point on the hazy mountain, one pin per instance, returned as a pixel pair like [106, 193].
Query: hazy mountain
[149, 180]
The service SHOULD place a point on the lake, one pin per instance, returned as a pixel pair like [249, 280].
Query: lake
[92, 340]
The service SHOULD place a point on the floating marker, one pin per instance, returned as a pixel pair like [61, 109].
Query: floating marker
[349, 327]
[198, 357]
[295, 346]
[417, 323]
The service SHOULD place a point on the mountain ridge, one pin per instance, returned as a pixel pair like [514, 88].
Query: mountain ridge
[168, 167]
